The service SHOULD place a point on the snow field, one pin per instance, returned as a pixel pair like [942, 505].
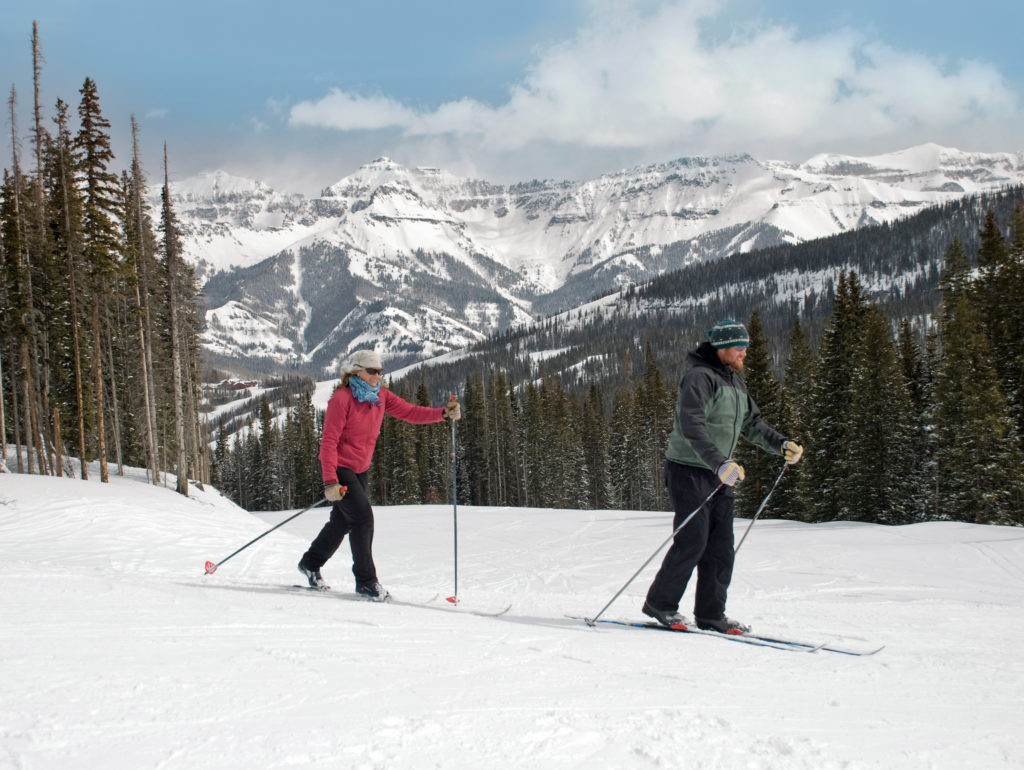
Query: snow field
[118, 651]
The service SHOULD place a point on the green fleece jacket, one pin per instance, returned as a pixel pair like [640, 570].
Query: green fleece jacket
[712, 411]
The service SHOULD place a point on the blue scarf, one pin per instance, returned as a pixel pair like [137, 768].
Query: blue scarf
[363, 391]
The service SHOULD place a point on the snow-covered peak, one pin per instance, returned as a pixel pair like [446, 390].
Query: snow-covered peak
[925, 167]
[219, 186]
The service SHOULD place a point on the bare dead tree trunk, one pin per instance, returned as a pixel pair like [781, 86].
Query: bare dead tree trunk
[114, 408]
[101, 439]
[171, 247]
[142, 304]
[17, 428]
[3, 420]
[24, 289]
[58, 446]
[197, 446]
[37, 340]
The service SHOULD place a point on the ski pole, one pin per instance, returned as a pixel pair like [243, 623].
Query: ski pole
[211, 567]
[761, 507]
[454, 598]
[592, 621]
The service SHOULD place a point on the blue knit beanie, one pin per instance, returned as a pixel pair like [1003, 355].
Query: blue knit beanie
[728, 334]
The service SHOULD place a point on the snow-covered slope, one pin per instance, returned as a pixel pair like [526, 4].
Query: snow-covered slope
[419, 261]
[118, 651]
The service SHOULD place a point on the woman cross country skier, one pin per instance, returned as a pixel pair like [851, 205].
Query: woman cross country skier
[351, 426]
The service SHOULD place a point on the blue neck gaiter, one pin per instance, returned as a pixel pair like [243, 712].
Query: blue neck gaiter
[364, 392]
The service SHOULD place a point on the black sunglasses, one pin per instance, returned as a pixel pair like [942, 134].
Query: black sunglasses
[374, 371]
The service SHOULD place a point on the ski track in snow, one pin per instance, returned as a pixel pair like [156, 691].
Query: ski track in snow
[118, 651]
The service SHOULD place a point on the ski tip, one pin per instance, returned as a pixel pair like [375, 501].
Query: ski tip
[210, 568]
[452, 599]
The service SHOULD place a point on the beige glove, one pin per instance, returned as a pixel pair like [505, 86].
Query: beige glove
[334, 492]
[730, 472]
[452, 411]
[792, 450]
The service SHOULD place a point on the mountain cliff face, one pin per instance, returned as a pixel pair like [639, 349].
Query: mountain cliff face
[416, 261]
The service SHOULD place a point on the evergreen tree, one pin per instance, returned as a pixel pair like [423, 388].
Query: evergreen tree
[171, 246]
[268, 475]
[405, 473]
[831, 393]
[882, 472]
[761, 468]
[654, 410]
[626, 472]
[70, 356]
[504, 450]
[101, 194]
[976, 453]
[595, 439]
[474, 436]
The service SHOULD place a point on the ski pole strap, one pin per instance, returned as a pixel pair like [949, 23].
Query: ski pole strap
[761, 507]
[593, 620]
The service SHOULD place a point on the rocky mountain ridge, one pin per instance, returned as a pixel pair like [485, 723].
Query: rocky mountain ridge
[418, 261]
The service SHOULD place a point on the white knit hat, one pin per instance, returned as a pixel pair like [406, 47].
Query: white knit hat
[362, 359]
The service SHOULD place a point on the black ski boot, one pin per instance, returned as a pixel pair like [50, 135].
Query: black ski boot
[722, 625]
[670, 618]
[375, 592]
[316, 580]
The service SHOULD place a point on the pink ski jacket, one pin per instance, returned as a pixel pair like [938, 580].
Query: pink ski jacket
[351, 429]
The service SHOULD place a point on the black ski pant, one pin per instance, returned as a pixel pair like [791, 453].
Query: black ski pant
[352, 516]
[705, 543]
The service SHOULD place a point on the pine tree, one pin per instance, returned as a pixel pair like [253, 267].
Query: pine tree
[100, 208]
[405, 473]
[976, 452]
[503, 448]
[595, 440]
[882, 471]
[654, 409]
[626, 473]
[792, 497]
[475, 439]
[171, 246]
[761, 468]
[70, 358]
[831, 393]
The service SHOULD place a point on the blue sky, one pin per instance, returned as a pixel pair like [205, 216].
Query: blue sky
[300, 94]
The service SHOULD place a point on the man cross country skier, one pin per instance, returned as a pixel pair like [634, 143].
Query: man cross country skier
[712, 411]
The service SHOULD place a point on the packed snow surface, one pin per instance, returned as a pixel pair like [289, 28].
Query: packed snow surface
[119, 652]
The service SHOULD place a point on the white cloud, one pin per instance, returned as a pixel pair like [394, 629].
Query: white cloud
[351, 112]
[642, 76]
[156, 113]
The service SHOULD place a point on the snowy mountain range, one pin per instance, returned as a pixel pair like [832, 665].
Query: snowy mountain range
[417, 261]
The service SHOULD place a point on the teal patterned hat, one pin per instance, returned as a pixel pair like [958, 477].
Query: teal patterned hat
[728, 334]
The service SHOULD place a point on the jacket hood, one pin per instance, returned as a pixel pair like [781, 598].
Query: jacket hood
[705, 355]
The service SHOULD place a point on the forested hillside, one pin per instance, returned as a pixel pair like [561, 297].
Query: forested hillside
[99, 351]
[902, 377]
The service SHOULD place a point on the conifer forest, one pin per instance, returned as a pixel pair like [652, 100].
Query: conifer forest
[910, 405]
[99, 350]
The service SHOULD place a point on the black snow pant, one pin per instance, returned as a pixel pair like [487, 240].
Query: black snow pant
[705, 543]
[352, 516]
